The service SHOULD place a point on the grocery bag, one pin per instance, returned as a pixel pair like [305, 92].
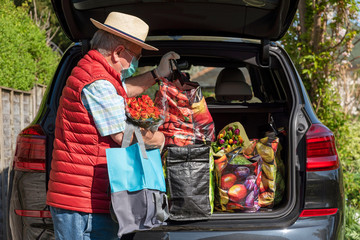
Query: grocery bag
[137, 183]
[188, 120]
[237, 182]
[272, 185]
[189, 179]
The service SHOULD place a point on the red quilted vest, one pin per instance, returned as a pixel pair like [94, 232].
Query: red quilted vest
[78, 177]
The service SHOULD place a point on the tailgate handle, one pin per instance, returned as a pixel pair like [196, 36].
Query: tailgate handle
[264, 53]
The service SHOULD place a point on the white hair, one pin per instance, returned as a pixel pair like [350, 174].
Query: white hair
[106, 42]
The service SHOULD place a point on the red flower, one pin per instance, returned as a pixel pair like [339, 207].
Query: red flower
[142, 108]
[151, 109]
[135, 114]
[144, 115]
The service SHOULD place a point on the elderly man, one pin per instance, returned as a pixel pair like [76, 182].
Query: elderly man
[90, 119]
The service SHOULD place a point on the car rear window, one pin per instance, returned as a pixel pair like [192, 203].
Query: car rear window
[267, 85]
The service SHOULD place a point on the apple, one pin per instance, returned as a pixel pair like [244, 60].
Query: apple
[237, 192]
[227, 180]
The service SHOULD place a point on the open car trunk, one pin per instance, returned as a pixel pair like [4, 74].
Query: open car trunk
[271, 109]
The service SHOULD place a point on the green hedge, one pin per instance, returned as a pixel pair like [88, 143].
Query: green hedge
[25, 58]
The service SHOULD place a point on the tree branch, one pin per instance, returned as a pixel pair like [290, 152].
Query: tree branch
[302, 11]
[337, 44]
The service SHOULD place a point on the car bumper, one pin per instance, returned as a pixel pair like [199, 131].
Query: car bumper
[323, 227]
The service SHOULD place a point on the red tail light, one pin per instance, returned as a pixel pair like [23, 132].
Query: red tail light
[34, 213]
[30, 150]
[318, 212]
[321, 150]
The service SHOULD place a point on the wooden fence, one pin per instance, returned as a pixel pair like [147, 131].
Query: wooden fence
[17, 110]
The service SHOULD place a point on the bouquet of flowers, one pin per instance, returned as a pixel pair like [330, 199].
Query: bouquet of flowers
[230, 137]
[141, 111]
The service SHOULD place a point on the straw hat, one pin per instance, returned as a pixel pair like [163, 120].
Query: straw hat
[126, 26]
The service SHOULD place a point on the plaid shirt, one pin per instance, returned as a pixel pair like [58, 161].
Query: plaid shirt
[106, 107]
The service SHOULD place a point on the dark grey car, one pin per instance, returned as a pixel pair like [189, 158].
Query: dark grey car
[210, 35]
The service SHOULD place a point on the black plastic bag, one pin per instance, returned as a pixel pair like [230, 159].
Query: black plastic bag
[189, 182]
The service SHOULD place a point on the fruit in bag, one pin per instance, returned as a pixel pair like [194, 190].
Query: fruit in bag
[237, 192]
[272, 183]
[228, 180]
[237, 185]
[242, 172]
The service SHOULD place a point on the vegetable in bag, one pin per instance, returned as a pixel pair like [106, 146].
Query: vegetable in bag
[188, 120]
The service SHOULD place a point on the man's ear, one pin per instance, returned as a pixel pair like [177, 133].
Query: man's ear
[115, 55]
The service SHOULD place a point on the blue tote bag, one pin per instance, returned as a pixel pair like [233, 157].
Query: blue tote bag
[137, 183]
[133, 168]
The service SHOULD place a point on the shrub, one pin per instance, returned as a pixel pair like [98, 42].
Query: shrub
[349, 153]
[25, 58]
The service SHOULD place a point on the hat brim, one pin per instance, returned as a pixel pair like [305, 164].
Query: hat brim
[123, 35]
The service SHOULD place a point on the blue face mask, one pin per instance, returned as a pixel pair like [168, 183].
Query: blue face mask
[126, 73]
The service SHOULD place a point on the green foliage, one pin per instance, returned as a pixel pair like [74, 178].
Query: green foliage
[44, 7]
[352, 228]
[208, 93]
[60, 39]
[349, 153]
[151, 91]
[321, 40]
[25, 58]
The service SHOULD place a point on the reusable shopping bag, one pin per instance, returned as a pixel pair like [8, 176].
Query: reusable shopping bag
[138, 198]
[272, 184]
[238, 181]
[188, 120]
[238, 175]
[189, 178]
